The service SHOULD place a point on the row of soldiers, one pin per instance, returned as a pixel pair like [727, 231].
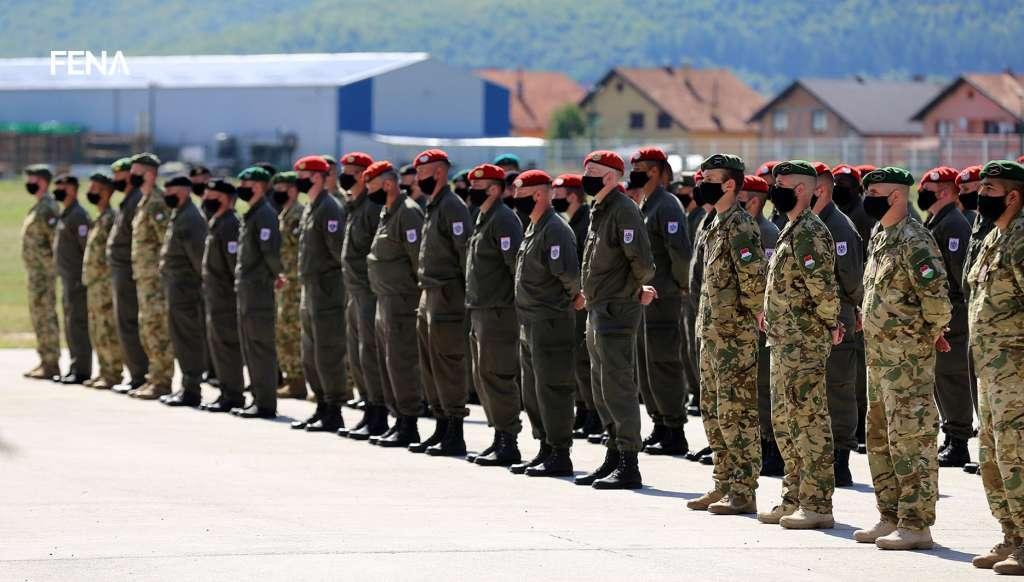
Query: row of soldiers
[380, 277]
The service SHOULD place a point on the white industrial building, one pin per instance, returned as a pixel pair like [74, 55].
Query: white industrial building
[185, 101]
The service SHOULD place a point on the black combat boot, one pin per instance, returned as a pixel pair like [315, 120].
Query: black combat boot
[772, 464]
[696, 455]
[656, 435]
[472, 457]
[453, 444]
[597, 438]
[842, 468]
[191, 397]
[558, 464]
[360, 426]
[945, 443]
[330, 420]
[406, 433]
[956, 454]
[375, 422]
[375, 439]
[581, 417]
[611, 461]
[315, 417]
[673, 442]
[542, 455]
[440, 428]
[505, 452]
[625, 476]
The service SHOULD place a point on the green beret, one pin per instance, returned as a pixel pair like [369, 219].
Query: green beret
[798, 167]
[330, 160]
[254, 173]
[686, 179]
[102, 178]
[40, 170]
[146, 159]
[1004, 170]
[723, 162]
[506, 159]
[122, 165]
[888, 175]
[288, 177]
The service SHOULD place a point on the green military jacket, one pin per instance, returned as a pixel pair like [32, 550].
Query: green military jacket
[997, 279]
[219, 256]
[446, 232]
[181, 258]
[732, 290]
[69, 241]
[363, 217]
[617, 258]
[670, 242]
[395, 251]
[849, 265]
[259, 244]
[547, 270]
[119, 241]
[321, 238]
[490, 272]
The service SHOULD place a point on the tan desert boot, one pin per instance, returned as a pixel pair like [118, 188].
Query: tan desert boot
[884, 527]
[152, 391]
[734, 505]
[701, 503]
[998, 553]
[907, 539]
[1013, 565]
[807, 519]
[778, 512]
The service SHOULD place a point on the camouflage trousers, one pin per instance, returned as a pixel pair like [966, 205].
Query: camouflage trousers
[42, 309]
[154, 330]
[289, 329]
[1001, 409]
[103, 330]
[902, 428]
[801, 422]
[728, 405]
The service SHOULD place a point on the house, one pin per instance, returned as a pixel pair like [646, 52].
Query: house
[671, 103]
[533, 97]
[975, 104]
[845, 108]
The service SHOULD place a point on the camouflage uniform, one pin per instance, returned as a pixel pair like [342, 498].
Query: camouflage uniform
[769, 240]
[100, 299]
[906, 304]
[149, 228]
[37, 253]
[996, 320]
[289, 333]
[801, 304]
[731, 295]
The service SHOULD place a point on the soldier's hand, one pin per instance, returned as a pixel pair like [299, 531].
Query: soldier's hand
[579, 302]
[838, 333]
[760, 323]
[647, 294]
[942, 344]
[280, 282]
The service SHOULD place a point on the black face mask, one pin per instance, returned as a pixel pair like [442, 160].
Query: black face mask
[303, 184]
[784, 199]
[199, 188]
[280, 198]
[560, 204]
[378, 196]
[93, 197]
[244, 192]
[876, 206]
[637, 179]
[991, 207]
[685, 199]
[32, 188]
[477, 196]
[120, 185]
[427, 185]
[698, 195]
[925, 199]
[842, 195]
[346, 181]
[136, 180]
[524, 205]
[462, 193]
[711, 192]
[969, 200]
[171, 200]
[406, 189]
[814, 200]
[60, 194]
[211, 206]
[592, 184]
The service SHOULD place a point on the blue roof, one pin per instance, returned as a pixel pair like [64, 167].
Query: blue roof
[279, 70]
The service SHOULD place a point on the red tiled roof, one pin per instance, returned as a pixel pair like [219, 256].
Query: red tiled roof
[534, 95]
[1005, 89]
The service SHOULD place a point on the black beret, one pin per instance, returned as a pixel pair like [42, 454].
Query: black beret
[101, 178]
[222, 186]
[179, 180]
[407, 170]
[40, 170]
[66, 179]
[199, 170]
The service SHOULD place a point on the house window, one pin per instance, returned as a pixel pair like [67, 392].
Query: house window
[943, 127]
[990, 127]
[636, 120]
[780, 121]
[819, 121]
[664, 120]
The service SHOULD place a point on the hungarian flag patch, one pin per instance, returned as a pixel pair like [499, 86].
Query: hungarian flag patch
[809, 262]
[746, 255]
[927, 272]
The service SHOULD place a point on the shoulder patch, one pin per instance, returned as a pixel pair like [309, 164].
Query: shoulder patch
[926, 271]
[555, 252]
[505, 242]
[841, 248]
[51, 221]
[953, 245]
[264, 234]
[332, 226]
[627, 235]
[159, 216]
[457, 228]
[410, 235]
[232, 247]
[746, 255]
[809, 262]
[83, 229]
[769, 253]
[672, 227]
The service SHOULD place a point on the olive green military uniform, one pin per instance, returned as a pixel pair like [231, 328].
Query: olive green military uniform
[691, 370]
[68, 252]
[546, 282]
[997, 340]
[494, 328]
[289, 329]
[181, 267]
[580, 224]
[391, 267]
[841, 378]
[659, 349]
[769, 240]
[906, 305]
[37, 233]
[257, 266]
[100, 299]
[617, 261]
[952, 371]
[363, 351]
[126, 295]
[731, 295]
[220, 254]
[323, 299]
[149, 226]
[801, 305]
[439, 327]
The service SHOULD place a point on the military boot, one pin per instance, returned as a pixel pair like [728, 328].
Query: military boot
[293, 388]
[956, 454]
[906, 539]
[625, 476]
[611, 461]
[696, 455]
[558, 464]
[704, 501]
[945, 443]
[504, 454]
[598, 438]
[152, 391]
[673, 442]
[472, 457]
[656, 435]
[361, 432]
[375, 439]
[776, 514]
[440, 428]
[404, 435]
[330, 420]
[807, 519]
[453, 444]
[190, 397]
[771, 459]
[1013, 565]
[734, 504]
[43, 372]
[315, 417]
[543, 453]
[884, 527]
[580, 419]
[998, 553]
[841, 469]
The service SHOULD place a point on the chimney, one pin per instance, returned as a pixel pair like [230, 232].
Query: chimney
[519, 84]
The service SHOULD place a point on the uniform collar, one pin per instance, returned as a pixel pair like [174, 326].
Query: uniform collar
[582, 212]
[434, 201]
[941, 214]
[827, 211]
[70, 209]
